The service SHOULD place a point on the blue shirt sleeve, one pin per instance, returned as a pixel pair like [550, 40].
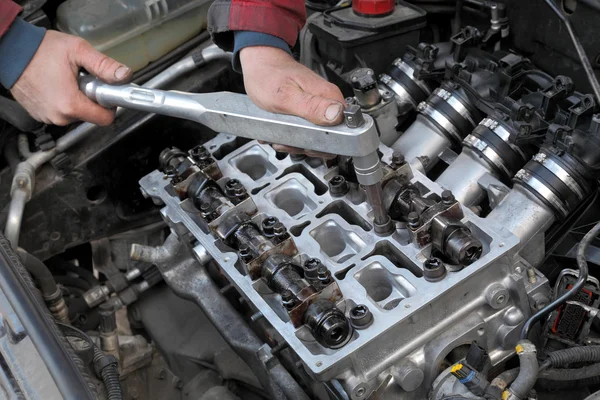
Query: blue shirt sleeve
[248, 38]
[17, 47]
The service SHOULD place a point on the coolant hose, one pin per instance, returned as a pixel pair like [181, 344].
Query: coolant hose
[528, 372]
[561, 358]
[499, 383]
[51, 294]
[40, 273]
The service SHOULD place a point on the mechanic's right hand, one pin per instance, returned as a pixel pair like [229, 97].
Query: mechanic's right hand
[278, 83]
[48, 87]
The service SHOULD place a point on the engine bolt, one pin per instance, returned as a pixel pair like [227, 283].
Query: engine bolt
[414, 221]
[324, 275]
[338, 186]
[434, 269]
[287, 299]
[279, 229]
[447, 197]
[244, 252]
[268, 225]
[199, 153]
[361, 317]
[397, 159]
[311, 268]
[234, 189]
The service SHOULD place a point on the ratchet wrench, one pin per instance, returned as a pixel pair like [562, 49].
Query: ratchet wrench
[236, 114]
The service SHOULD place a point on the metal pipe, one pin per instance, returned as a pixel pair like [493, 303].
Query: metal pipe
[463, 175]
[25, 170]
[523, 214]
[23, 145]
[422, 143]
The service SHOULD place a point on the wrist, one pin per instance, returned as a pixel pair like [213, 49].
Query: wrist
[255, 40]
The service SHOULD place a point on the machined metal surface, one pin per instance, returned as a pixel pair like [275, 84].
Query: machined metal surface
[415, 322]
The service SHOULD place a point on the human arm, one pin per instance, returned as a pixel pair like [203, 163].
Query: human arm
[40, 68]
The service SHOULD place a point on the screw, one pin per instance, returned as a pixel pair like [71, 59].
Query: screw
[268, 225]
[200, 154]
[338, 186]
[234, 189]
[434, 269]
[288, 300]
[447, 197]
[414, 221]
[311, 267]
[361, 317]
[279, 229]
[244, 252]
[324, 275]
[397, 158]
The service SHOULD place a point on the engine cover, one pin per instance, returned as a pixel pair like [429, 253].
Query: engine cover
[417, 323]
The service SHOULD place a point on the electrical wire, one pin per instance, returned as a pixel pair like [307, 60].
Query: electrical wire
[585, 62]
[581, 280]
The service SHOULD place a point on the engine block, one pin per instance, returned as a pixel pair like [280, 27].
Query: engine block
[417, 323]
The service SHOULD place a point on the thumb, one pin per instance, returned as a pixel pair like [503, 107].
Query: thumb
[100, 65]
[316, 109]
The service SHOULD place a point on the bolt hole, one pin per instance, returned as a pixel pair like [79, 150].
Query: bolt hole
[480, 331]
[96, 194]
[569, 6]
[360, 392]
[319, 364]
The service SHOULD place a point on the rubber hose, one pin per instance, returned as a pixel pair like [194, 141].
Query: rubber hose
[40, 273]
[562, 358]
[499, 383]
[528, 370]
[553, 386]
[570, 374]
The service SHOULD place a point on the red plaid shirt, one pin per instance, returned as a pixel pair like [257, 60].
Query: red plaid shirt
[281, 18]
[8, 13]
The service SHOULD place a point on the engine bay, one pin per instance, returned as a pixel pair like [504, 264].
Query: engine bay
[211, 266]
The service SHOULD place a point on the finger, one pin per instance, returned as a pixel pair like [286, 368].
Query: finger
[86, 110]
[316, 85]
[316, 109]
[287, 149]
[318, 154]
[100, 65]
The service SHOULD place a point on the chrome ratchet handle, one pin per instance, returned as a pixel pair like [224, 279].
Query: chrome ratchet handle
[236, 114]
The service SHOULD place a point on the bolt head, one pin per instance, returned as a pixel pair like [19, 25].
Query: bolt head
[447, 197]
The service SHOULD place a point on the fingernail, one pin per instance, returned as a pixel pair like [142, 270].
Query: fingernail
[333, 111]
[121, 72]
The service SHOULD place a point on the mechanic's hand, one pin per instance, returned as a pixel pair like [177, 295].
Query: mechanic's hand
[277, 83]
[48, 87]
